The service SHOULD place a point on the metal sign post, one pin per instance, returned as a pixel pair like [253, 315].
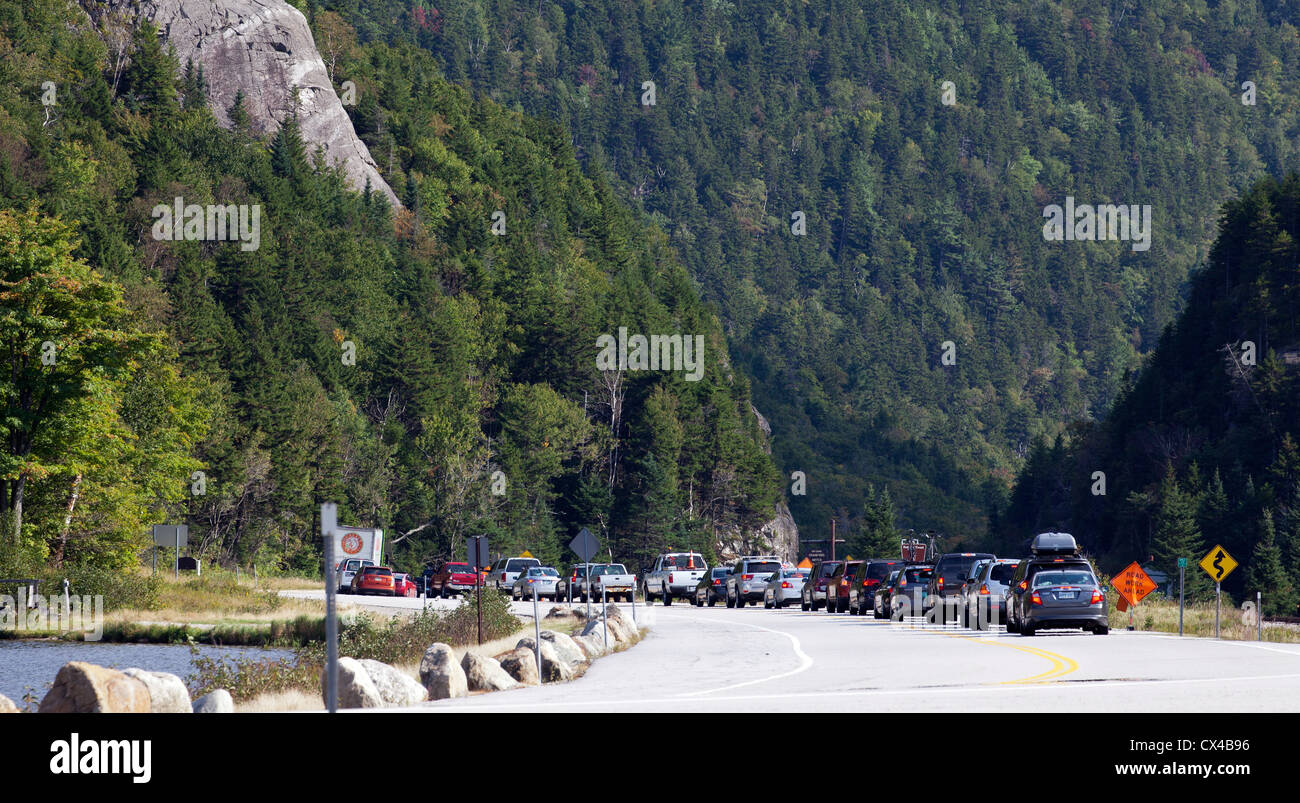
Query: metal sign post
[1218, 595]
[1259, 615]
[1182, 572]
[477, 552]
[604, 615]
[328, 523]
[585, 545]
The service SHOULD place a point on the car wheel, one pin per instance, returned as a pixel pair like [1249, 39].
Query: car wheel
[781, 603]
[668, 598]
[830, 606]
[712, 601]
[803, 604]
[1026, 630]
[1101, 630]
[731, 603]
[443, 594]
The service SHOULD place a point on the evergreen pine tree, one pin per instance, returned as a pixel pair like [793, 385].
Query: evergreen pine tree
[1175, 535]
[149, 81]
[1266, 574]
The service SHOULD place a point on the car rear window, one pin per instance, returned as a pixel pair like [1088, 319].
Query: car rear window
[918, 575]
[721, 572]
[829, 569]
[956, 568]
[879, 570]
[1002, 572]
[763, 567]
[519, 564]
[376, 570]
[458, 568]
[691, 561]
[1063, 579]
[851, 569]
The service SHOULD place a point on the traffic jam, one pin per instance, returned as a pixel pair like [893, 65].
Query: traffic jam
[1053, 587]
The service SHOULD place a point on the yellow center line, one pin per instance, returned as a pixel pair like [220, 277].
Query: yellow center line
[1061, 665]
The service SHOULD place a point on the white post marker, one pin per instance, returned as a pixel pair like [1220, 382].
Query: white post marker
[328, 523]
[537, 637]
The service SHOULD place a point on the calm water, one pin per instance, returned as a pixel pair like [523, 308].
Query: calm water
[35, 663]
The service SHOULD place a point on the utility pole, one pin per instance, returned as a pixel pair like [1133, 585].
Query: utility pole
[832, 538]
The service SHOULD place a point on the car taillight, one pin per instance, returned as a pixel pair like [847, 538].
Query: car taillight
[940, 583]
[902, 582]
[717, 582]
[1035, 599]
[984, 589]
[1096, 596]
[670, 578]
[1024, 584]
[503, 576]
[786, 584]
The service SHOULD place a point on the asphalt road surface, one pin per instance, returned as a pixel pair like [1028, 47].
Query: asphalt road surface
[752, 659]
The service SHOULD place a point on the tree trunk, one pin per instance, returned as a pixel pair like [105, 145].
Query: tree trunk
[67, 521]
[16, 506]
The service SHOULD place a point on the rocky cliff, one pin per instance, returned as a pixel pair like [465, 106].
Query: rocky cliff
[265, 49]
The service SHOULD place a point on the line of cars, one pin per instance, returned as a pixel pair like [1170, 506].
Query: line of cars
[1054, 587]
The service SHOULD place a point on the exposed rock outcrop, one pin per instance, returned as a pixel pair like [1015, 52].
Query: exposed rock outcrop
[263, 48]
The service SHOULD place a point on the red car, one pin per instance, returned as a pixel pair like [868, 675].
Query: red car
[374, 580]
[403, 586]
[453, 578]
[837, 588]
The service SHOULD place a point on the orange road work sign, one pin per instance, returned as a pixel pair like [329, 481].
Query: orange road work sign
[1133, 584]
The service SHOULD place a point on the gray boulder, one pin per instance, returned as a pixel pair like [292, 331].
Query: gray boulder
[395, 686]
[566, 648]
[521, 665]
[167, 693]
[485, 674]
[215, 702]
[554, 670]
[356, 689]
[7, 706]
[441, 674]
[593, 646]
[82, 688]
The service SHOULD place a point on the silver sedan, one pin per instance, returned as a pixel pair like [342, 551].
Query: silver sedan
[542, 579]
[785, 586]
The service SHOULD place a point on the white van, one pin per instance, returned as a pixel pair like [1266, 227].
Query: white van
[507, 570]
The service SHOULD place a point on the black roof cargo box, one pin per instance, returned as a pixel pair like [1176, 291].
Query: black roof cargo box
[1054, 544]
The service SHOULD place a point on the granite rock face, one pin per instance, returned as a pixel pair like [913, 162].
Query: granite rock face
[265, 49]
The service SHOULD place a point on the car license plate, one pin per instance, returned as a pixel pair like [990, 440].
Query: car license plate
[1067, 594]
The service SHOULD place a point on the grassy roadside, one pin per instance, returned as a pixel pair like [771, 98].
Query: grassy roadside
[1161, 616]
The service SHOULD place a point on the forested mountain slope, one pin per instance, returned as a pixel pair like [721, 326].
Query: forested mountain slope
[924, 213]
[1204, 449]
[391, 361]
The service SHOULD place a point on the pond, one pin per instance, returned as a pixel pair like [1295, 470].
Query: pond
[34, 664]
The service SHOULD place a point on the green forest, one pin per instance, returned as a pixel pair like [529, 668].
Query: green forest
[923, 218]
[151, 381]
[846, 201]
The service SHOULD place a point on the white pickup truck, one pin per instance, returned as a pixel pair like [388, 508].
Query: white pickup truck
[675, 574]
[612, 578]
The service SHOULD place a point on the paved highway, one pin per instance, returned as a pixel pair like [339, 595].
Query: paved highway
[720, 659]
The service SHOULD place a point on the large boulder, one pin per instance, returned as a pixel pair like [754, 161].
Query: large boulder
[521, 665]
[7, 706]
[593, 646]
[217, 701]
[554, 670]
[395, 686]
[441, 674]
[485, 674]
[596, 629]
[82, 688]
[356, 689]
[566, 648]
[167, 693]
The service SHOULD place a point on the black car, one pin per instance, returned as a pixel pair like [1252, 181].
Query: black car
[712, 587]
[1050, 551]
[880, 608]
[907, 596]
[870, 576]
[950, 571]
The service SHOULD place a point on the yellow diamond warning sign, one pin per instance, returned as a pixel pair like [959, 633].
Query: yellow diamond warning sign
[1218, 564]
